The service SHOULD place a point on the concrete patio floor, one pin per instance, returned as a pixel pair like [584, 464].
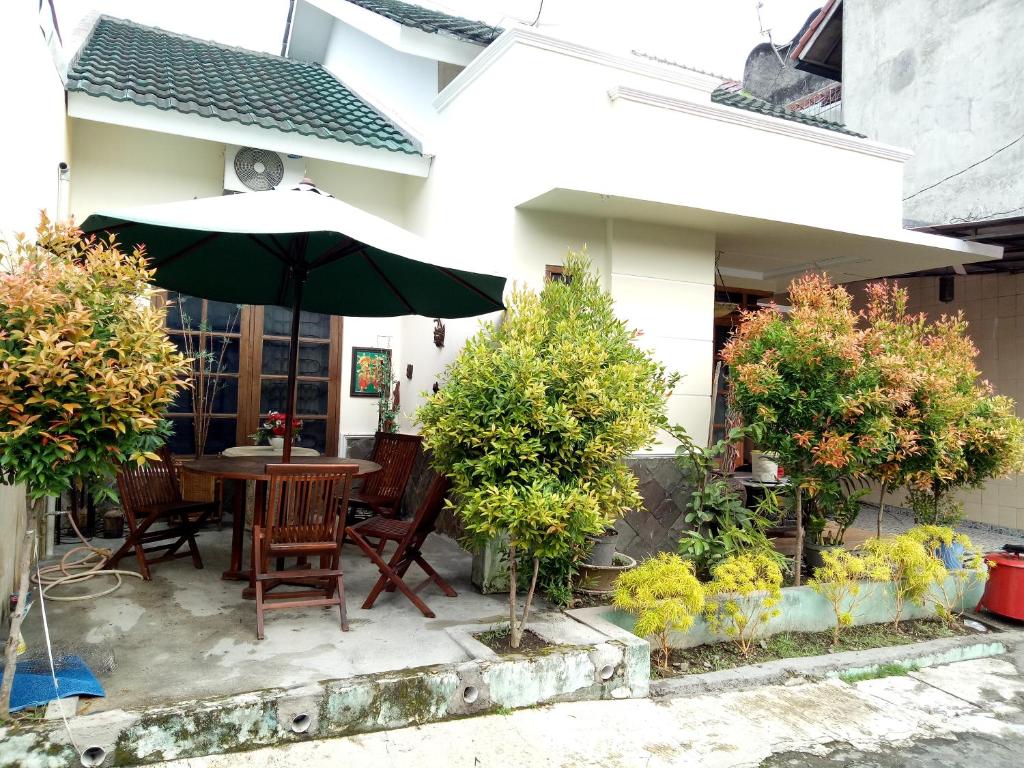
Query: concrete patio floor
[187, 634]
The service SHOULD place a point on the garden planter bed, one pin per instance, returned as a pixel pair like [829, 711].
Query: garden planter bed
[498, 641]
[790, 645]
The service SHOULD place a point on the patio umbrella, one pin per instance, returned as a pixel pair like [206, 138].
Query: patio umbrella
[298, 248]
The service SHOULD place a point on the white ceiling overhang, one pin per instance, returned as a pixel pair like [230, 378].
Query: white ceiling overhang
[770, 252]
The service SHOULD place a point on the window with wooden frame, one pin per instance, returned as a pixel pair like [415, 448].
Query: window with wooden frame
[554, 273]
[245, 373]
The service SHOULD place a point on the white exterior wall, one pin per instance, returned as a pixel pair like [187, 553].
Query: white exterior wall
[404, 83]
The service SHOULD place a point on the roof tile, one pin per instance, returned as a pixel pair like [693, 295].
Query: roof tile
[125, 61]
[409, 15]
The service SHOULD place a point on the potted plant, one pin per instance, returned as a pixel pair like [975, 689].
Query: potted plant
[273, 429]
[534, 420]
[830, 512]
[68, 307]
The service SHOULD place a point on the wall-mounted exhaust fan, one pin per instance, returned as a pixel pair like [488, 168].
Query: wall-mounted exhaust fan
[250, 169]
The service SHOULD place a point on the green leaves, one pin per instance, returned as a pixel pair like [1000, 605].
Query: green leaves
[537, 413]
[86, 370]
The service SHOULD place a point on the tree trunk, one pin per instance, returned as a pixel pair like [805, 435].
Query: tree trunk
[881, 509]
[514, 635]
[798, 563]
[11, 649]
[529, 596]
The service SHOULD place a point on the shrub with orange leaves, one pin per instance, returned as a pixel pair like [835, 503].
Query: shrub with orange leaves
[86, 369]
[949, 430]
[805, 377]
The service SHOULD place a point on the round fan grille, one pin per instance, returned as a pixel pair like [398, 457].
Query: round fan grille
[258, 169]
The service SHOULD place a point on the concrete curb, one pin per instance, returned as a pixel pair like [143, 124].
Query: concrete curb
[579, 668]
[927, 654]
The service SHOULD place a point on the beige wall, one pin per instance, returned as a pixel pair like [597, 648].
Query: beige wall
[117, 166]
[994, 308]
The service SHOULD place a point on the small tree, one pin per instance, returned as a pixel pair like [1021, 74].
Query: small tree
[839, 581]
[86, 372]
[535, 418]
[805, 382]
[909, 566]
[664, 595]
[742, 597]
[948, 430]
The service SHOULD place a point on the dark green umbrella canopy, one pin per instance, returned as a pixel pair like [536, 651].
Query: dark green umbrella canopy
[297, 248]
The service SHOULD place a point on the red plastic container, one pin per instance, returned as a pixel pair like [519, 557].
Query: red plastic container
[1004, 591]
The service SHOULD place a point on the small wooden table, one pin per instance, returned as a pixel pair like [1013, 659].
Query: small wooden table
[239, 470]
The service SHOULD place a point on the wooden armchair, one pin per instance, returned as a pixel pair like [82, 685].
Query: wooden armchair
[382, 491]
[304, 518]
[151, 493]
[409, 535]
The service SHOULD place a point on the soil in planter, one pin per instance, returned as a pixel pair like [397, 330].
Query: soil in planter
[497, 640]
[790, 645]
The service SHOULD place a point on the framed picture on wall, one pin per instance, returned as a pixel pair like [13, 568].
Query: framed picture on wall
[367, 370]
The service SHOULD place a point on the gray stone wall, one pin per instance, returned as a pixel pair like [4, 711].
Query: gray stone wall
[658, 526]
[941, 78]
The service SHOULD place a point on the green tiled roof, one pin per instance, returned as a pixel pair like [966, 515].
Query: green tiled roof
[409, 15]
[730, 94]
[129, 62]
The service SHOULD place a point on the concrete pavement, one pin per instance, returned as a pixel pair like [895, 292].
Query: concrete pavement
[958, 714]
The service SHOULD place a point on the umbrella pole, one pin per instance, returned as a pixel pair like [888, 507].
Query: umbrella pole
[293, 366]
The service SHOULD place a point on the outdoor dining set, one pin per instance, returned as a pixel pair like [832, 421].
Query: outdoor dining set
[304, 512]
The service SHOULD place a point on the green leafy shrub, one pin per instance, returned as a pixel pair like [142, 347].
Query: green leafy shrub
[742, 597]
[664, 595]
[720, 524]
[535, 418]
[839, 581]
[948, 594]
[911, 568]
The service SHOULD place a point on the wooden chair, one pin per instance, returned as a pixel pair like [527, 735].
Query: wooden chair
[410, 535]
[382, 491]
[150, 493]
[304, 518]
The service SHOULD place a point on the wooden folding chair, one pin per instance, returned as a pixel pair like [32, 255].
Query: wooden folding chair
[410, 535]
[150, 493]
[304, 518]
[382, 491]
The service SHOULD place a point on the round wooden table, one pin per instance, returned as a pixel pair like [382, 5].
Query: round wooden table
[241, 469]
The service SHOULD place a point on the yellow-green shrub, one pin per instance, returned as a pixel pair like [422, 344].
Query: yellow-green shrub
[664, 595]
[535, 418]
[948, 596]
[910, 567]
[839, 581]
[742, 596]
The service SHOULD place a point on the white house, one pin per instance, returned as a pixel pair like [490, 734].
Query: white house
[506, 147]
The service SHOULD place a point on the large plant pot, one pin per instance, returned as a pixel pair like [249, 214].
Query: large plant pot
[600, 579]
[602, 548]
[812, 554]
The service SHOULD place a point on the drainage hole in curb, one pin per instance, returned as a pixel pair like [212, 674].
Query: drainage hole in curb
[470, 694]
[93, 756]
[300, 723]
[606, 672]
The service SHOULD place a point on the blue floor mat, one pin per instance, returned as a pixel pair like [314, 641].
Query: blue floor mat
[33, 685]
